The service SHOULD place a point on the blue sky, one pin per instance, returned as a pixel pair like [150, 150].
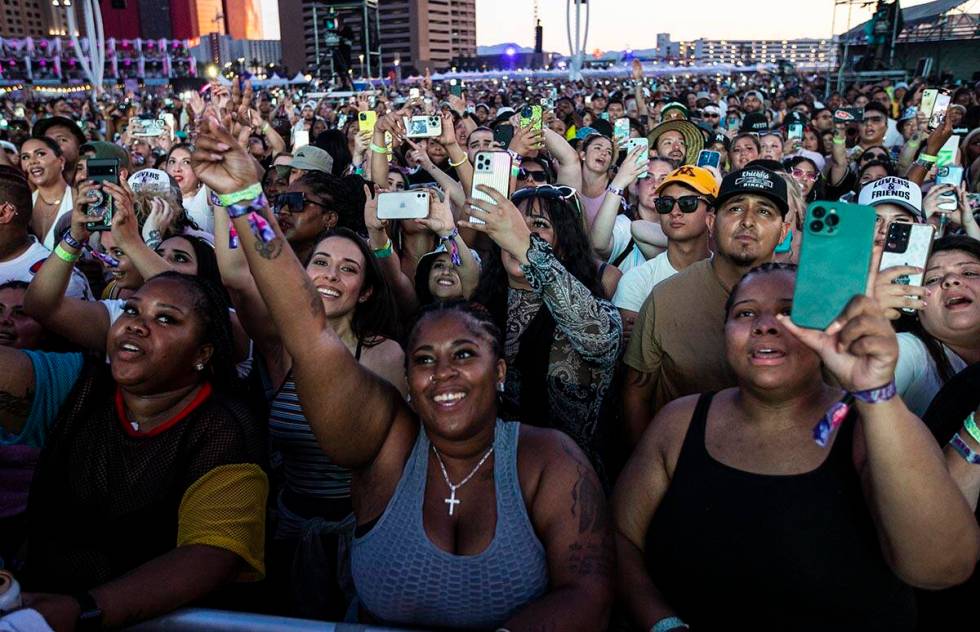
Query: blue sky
[615, 24]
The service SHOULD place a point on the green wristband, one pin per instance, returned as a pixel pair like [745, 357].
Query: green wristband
[924, 157]
[248, 193]
[378, 149]
[64, 255]
[971, 427]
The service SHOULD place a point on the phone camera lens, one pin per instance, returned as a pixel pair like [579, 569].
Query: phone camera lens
[819, 212]
[816, 226]
[832, 220]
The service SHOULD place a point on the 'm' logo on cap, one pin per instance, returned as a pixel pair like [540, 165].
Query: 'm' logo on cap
[686, 171]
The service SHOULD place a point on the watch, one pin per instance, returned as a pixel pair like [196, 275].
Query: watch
[90, 615]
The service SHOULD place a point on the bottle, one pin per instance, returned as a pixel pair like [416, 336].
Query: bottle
[9, 593]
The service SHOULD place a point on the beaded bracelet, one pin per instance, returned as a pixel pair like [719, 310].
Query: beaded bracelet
[250, 192]
[964, 450]
[64, 255]
[970, 425]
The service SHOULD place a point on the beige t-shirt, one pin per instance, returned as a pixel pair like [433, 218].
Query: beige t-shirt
[679, 335]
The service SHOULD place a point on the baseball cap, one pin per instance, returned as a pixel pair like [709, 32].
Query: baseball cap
[754, 181]
[754, 122]
[893, 190]
[42, 126]
[312, 158]
[674, 105]
[719, 137]
[106, 151]
[711, 108]
[697, 178]
[152, 181]
[756, 94]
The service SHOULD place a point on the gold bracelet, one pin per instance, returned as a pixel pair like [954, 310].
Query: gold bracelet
[461, 162]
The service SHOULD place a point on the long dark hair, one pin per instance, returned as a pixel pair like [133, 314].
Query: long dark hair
[816, 191]
[211, 306]
[334, 142]
[572, 249]
[346, 196]
[377, 317]
[935, 347]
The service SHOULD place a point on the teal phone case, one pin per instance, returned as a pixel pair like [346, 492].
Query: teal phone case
[834, 261]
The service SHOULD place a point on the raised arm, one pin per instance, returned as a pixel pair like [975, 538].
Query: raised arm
[16, 389]
[602, 226]
[937, 138]
[636, 68]
[126, 232]
[85, 323]
[649, 236]
[350, 430]
[388, 259]
[391, 123]
[441, 222]
[569, 166]
[928, 535]
[839, 163]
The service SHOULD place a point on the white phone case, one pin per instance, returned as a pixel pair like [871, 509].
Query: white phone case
[492, 169]
[403, 205]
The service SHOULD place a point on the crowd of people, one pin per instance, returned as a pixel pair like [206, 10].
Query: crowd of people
[579, 403]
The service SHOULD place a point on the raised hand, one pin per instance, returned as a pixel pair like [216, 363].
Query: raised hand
[892, 297]
[859, 348]
[504, 223]
[220, 162]
[636, 70]
[448, 136]
[440, 219]
[371, 209]
[125, 226]
[630, 170]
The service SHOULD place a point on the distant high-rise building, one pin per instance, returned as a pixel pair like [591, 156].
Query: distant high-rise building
[32, 18]
[418, 33]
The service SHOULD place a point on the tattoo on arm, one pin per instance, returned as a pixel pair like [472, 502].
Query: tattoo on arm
[592, 553]
[269, 250]
[18, 406]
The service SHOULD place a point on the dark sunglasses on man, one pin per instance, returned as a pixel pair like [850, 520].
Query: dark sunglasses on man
[294, 202]
[687, 203]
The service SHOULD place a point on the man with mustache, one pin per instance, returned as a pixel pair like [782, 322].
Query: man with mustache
[677, 347]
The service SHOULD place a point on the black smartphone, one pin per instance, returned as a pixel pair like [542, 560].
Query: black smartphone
[503, 134]
[100, 204]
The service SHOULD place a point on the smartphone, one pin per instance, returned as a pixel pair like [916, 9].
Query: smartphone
[708, 158]
[947, 153]
[938, 116]
[794, 131]
[907, 245]
[100, 203]
[423, 126]
[949, 174]
[492, 169]
[621, 130]
[849, 116]
[644, 156]
[147, 127]
[414, 93]
[403, 205]
[834, 261]
[531, 117]
[366, 121]
[503, 134]
[301, 138]
[169, 121]
[455, 88]
[928, 101]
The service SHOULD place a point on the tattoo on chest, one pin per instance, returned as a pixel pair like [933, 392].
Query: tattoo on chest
[18, 406]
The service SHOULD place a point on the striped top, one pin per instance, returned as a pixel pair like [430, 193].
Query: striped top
[306, 469]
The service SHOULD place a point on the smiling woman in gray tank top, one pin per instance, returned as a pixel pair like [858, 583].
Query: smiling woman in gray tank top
[462, 520]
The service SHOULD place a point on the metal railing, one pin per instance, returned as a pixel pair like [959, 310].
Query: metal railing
[205, 620]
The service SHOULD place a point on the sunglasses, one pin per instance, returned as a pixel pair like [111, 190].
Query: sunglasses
[547, 192]
[687, 203]
[293, 202]
[875, 156]
[709, 115]
[805, 175]
[537, 176]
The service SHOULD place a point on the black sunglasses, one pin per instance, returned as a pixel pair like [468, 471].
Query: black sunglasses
[876, 156]
[537, 176]
[688, 203]
[294, 202]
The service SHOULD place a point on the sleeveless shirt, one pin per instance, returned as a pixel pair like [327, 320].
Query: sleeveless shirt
[403, 578]
[731, 549]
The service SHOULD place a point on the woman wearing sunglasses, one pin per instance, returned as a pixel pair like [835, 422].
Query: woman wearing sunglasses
[448, 499]
[562, 338]
[806, 173]
[315, 499]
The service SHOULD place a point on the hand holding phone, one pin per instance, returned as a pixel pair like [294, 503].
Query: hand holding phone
[492, 169]
[403, 205]
[99, 204]
[708, 158]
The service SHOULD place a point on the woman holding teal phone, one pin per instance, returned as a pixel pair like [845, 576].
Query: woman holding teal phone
[729, 501]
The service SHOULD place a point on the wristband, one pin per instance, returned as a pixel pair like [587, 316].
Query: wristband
[250, 192]
[669, 623]
[237, 210]
[516, 157]
[614, 190]
[515, 171]
[71, 241]
[383, 253]
[964, 450]
[877, 395]
[450, 243]
[924, 157]
[265, 129]
[461, 162]
[378, 149]
[839, 141]
[970, 425]
[925, 164]
[64, 255]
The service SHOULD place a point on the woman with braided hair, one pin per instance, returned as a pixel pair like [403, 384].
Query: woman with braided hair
[448, 499]
[149, 458]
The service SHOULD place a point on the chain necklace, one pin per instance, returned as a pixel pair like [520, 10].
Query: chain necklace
[55, 203]
[452, 501]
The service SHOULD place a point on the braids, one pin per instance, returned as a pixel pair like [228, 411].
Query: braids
[211, 306]
[765, 268]
[478, 315]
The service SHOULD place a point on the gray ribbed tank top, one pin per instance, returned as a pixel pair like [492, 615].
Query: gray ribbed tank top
[403, 578]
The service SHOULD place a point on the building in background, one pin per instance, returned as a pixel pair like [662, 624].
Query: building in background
[32, 18]
[417, 34]
[243, 19]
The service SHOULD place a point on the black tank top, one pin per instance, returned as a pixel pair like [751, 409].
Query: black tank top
[732, 550]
